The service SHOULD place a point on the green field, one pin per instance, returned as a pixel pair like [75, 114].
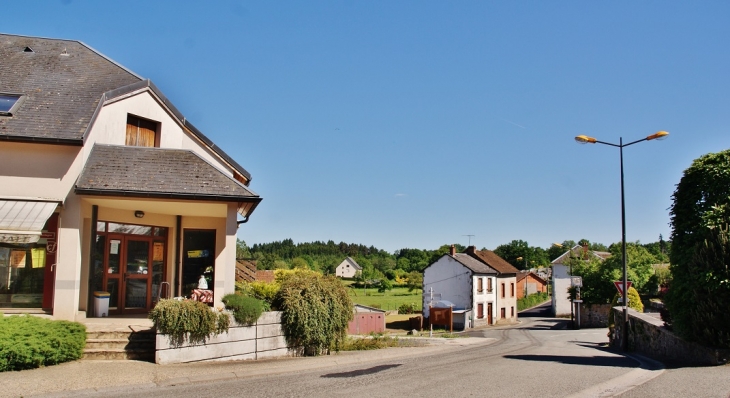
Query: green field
[390, 300]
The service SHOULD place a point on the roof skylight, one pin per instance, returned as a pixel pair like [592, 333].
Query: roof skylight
[9, 103]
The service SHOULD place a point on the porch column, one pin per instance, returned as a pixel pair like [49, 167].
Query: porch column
[68, 263]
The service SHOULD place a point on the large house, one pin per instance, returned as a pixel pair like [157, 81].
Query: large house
[106, 186]
[479, 284]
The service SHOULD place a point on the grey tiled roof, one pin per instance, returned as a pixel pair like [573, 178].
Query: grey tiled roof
[473, 264]
[61, 92]
[155, 172]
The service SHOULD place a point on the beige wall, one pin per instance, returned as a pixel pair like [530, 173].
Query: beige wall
[54, 170]
[50, 175]
[111, 126]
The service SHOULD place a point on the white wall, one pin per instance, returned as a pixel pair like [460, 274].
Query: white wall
[451, 279]
[345, 270]
[561, 304]
[485, 297]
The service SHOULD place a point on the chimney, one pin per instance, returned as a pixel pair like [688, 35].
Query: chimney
[452, 250]
[471, 250]
[585, 251]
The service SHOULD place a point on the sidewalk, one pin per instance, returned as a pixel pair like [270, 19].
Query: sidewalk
[91, 377]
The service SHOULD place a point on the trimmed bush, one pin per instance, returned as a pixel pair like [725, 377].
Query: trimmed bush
[315, 313]
[188, 321]
[409, 308]
[634, 302]
[28, 342]
[246, 310]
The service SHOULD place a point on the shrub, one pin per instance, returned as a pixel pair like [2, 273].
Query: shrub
[532, 300]
[246, 310]
[28, 342]
[409, 308]
[316, 311]
[188, 321]
[634, 302]
[373, 342]
[260, 290]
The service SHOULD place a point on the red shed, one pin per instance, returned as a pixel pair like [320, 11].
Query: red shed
[367, 320]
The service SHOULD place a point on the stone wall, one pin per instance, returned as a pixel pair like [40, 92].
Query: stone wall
[594, 315]
[265, 339]
[648, 336]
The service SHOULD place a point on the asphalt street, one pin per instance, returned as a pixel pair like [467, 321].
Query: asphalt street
[538, 357]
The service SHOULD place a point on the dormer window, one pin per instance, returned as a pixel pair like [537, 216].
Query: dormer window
[142, 132]
[9, 103]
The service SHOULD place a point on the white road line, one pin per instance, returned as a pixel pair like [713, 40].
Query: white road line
[625, 382]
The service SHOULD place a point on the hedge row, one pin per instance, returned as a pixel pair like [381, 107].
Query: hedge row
[28, 342]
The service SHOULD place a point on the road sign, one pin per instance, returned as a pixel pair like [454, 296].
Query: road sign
[620, 286]
[576, 281]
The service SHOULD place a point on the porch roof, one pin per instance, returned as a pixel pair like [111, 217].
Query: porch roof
[159, 173]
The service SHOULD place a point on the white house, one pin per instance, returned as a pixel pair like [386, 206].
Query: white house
[347, 268]
[464, 281]
[561, 276]
[506, 283]
[106, 186]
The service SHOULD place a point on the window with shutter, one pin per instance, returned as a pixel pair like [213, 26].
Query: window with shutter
[142, 132]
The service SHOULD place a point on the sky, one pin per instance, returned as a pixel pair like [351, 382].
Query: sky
[414, 124]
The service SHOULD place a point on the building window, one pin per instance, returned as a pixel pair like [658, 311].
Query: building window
[480, 310]
[513, 312]
[503, 312]
[142, 132]
[480, 285]
[9, 103]
[512, 289]
[503, 289]
[489, 285]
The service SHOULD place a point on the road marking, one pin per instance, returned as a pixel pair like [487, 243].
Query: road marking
[647, 370]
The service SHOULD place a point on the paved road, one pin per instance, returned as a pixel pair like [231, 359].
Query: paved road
[539, 357]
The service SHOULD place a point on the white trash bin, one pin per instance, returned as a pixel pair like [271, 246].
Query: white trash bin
[101, 304]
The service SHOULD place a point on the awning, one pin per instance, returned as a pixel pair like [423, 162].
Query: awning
[22, 221]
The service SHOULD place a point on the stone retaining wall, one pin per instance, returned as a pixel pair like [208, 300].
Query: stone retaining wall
[594, 315]
[265, 339]
[648, 336]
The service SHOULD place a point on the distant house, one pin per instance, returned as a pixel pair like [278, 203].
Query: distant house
[530, 283]
[347, 268]
[506, 284]
[561, 276]
[465, 283]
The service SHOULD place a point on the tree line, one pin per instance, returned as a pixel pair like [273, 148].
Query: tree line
[325, 256]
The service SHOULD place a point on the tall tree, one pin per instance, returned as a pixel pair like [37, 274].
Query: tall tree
[700, 254]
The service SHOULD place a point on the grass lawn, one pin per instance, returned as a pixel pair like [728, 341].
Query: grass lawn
[389, 300]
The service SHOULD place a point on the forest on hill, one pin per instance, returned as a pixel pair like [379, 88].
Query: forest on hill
[325, 256]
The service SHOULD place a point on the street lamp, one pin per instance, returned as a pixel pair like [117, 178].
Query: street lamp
[583, 139]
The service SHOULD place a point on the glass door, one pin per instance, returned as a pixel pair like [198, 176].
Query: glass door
[136, 281]
[127, 275]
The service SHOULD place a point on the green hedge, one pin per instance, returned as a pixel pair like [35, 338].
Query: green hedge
[188, 320]
[246, 310]
[532, 300]
[28, 342]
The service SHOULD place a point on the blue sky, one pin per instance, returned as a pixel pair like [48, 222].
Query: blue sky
[414, 123]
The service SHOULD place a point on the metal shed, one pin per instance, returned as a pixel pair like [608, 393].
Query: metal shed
[367, 320]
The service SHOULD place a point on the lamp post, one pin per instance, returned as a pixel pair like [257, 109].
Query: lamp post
[583, 139]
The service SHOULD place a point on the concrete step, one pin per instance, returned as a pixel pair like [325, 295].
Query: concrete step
[118, 354]
[119, 344]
